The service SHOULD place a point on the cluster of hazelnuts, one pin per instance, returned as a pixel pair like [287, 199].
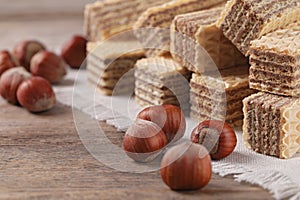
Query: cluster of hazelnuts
[186, 166]
[28, 72]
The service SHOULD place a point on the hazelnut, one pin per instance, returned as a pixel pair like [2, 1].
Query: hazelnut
[48, 65]
[168, 117]
[25, 50]
[144, 140]
[74, 51]
[186, 166]
[36, 94]
[7, 61]
[10, 81]
[218, 137]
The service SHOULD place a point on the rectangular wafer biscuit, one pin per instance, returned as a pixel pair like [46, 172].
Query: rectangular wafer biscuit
[107, 68]
[194, 34]
[153, 27]
[219, 96]
[271, 124]
[245, 20]
[106, 18]
[161, 81]
[275, 62]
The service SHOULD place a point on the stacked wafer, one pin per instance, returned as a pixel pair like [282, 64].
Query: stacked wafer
[219, 95]
[193, 35]
[106, 18]
[161, 81]
[271, 124]
[245, 20]
[106, 69]
[275, 62]
[153, 26]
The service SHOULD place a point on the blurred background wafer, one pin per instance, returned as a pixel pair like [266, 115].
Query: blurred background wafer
[106, 18]
[105, 70]
[159, 19]
[161, 81]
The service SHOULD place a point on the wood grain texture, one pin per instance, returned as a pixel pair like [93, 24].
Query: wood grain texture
[42, 156]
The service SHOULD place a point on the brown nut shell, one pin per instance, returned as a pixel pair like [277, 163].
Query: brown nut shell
[169, 117]
[25, 50]
[48, 65]
[217, 136]
[144, 140]
[10, 81]
[74, 51]
[7, 61]
[186, 166]
[36, 94]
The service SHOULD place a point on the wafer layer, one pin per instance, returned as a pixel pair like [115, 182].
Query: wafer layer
[193, 35]
[271, 124]
[104, 19]
[161, 18]
[245, 20]
[161, 81]
[275, 62]
[213, 97]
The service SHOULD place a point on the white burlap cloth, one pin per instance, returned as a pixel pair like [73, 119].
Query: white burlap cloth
[280, 177]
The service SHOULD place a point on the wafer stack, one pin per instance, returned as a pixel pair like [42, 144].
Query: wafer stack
[106, 70]
[215, 97]
[106, 18]
[271, 124]
[245, 20]
[275, 62]
[153, 27]
[195, 32]
[161, 81]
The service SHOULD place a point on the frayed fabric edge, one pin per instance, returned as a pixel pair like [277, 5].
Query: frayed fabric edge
[279, 185]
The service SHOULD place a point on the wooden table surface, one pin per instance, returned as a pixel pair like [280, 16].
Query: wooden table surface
[42, 157]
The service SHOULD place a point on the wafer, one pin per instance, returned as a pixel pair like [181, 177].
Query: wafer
[153, 26]
[161, 81]
[104, 19]
[271, 124]
[275, 62]
[105, 68]
[245, 20]
[218, 98]
[194, 33]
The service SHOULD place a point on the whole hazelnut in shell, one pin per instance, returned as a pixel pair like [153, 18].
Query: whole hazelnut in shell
[217, 136]
[36, 94]
[10, 81]
[144, 141]
[186, 166]
[74, 51]
[7, 61]
[25, 50]
[48, 65]
[168, 117]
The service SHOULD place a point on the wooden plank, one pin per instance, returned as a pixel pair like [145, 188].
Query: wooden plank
[42, 157]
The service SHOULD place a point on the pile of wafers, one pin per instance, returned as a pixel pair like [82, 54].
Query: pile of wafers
[236, 60]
